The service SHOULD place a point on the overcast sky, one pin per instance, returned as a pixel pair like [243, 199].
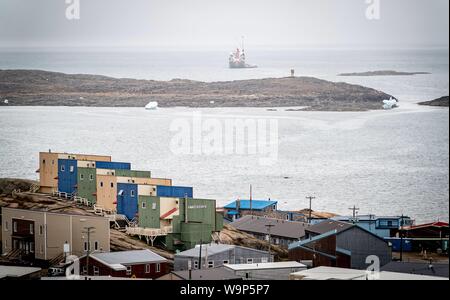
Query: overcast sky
[213, 23]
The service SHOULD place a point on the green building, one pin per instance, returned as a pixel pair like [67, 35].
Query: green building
[190, 224]
[87, 184]
[133, 173]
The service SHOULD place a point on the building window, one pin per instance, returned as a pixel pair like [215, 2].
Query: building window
[153, 205]
[14, 226]
[84, 271]
[96, 271]
[101, 183]
[112, 184]
[96, 245]
[132, 193]
[63, 168]
[195, 264]
[86, 248]
[81, 176]
[41, 230]
[91, 177]
[210, 264]
[264, 260]
[6, 226]
[158, 268]
[32, 247]
[249, 260]
[128, 270]
[53, 162]
[225, 262]
[71, 169]
[43, 161]
[6, 244]
[31, 229]
[144, 205]
[147, 268]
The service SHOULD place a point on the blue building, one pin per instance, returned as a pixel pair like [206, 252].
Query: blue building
[383, 226]
[240, 208]
[113, 165]
[174, 191]
[127, 199]
[67, 175]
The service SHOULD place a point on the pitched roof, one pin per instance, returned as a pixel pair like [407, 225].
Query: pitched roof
[211, 249]
[434, 224]
[281, 228]
[420, 268]
[329, 225]
[16, 272]
[256, 204]
[117, 260]
[220, 273]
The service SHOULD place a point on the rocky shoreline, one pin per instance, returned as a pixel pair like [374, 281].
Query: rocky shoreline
[42, 88]
[383, 73]
[442, 102]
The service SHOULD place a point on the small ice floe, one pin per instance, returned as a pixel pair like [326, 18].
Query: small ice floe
[6, 101]
[152, 105]
[81, 98]
[211, 102]
[390, 104]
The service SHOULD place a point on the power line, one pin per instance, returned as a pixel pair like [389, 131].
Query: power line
[310, 207]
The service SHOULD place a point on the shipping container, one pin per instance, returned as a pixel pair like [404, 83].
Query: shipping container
[127, 200]
[67, 175]
[174, 191]
[113, 165]
[397, 242]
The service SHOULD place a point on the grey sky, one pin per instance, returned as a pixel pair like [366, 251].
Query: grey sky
[211, 23]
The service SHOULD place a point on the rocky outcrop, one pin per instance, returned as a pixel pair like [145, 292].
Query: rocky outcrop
[443, 101]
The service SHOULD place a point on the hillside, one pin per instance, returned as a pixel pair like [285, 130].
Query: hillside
[41, 88]
[443, 101]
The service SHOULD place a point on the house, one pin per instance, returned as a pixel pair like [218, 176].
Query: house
[135, 264]
[282, 232]
[333, 273]
[13, 272]
[240, 208]
[419, 268]
[220, 273]
[266, 271]
[181, 222]
[383, 226]
[41, 235]
[339, 244]
[216, 255]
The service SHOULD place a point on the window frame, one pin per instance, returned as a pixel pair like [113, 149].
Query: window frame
[129, 270]
[147, 268]
[249, 261]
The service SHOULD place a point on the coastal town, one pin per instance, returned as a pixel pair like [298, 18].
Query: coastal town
[91, 218]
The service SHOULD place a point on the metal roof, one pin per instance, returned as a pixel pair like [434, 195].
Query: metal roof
[16, 272]
[116, 259]
[419, 268]
[256, 204]
[265, 266]
[211, 249]
[313, 239]
[327, 226]
[220, 273]
[281, 228]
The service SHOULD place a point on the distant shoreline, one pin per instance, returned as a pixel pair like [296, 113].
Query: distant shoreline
[442, 102]
[382, 73]
[42, 88]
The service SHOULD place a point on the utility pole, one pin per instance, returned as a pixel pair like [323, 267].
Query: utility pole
[88, 231]
[251, 204]
[186, 208]
[310, 207]
[355, 210]
[200, 256]
[269, 226]
[401, 238]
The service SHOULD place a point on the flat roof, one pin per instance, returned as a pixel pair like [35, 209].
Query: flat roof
[56, 213]
[117, 260]
[212, 249]
[265, 266]
[220, 273]
[256, 204]
[16, 272]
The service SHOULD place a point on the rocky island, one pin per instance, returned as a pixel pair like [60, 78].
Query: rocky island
[42, 88]
[384, 73]
[443, 101]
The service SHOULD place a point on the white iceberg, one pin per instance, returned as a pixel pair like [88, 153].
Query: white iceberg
[390, 104]
[152, 105]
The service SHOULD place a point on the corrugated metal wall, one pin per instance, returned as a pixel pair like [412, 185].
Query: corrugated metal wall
[133, 173]
[67, 175]
[149, 216]
[87, 184]
[174, 191]
[113, 165]
[127, 200]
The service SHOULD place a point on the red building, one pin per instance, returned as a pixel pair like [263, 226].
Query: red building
[133, 264]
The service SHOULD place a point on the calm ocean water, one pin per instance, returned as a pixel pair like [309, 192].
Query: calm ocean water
[385, 162]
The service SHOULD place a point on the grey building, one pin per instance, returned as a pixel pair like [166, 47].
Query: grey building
[266, 271]
[340, 244]
[282, 232]
[216, 255]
